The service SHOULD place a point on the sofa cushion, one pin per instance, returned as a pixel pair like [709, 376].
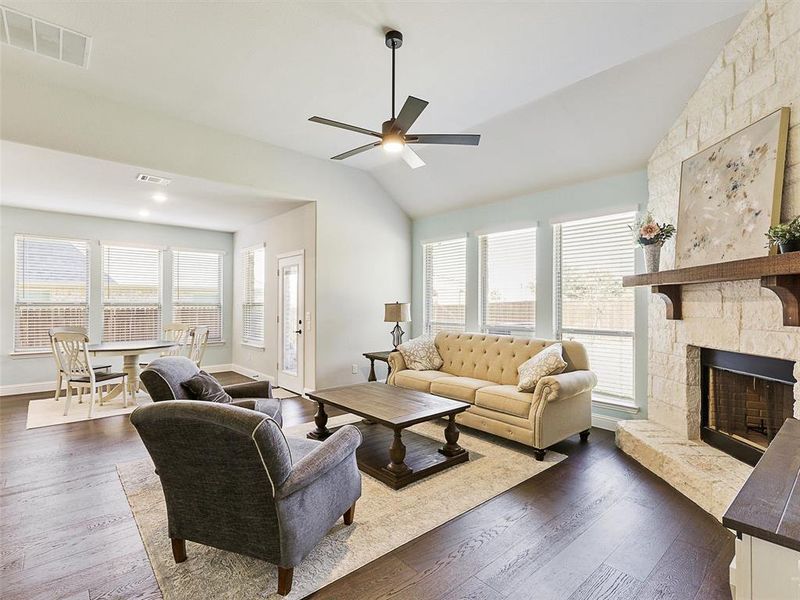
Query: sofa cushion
[420, 354]
[505, 399]
[417, 380]
[458, 388]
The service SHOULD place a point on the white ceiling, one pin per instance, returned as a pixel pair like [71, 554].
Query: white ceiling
[43, 179]
[261, 69]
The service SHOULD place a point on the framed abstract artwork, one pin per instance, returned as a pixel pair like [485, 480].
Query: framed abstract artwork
[731, 194]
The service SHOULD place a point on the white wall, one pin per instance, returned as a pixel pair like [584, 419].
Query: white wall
[602, 196]
[20, 374]
[363, 237]
[293, 230]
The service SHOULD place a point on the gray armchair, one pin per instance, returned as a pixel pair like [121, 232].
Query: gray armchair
[232, 480]
[163, 377]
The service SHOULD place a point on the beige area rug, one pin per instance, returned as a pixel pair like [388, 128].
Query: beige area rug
[44, 413]
[385, 519]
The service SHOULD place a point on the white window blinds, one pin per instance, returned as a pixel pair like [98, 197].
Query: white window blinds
[197, 290]
[591, 256]
[253, 270]
[508, 282]
[52, 288]
[445, 285]
[131, 293]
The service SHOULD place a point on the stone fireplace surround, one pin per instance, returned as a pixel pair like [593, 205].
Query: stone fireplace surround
[754, 75]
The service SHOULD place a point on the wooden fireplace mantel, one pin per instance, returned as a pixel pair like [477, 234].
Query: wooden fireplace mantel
[779, 273]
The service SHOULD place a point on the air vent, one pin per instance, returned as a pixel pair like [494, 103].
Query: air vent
[153, 179]
[32, 34]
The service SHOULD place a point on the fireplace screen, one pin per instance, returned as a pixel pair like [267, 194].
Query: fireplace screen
[745, 401]
[746, 407]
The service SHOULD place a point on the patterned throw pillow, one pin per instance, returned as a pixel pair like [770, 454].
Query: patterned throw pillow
[547, 362]
[420, 354]
[204, 387]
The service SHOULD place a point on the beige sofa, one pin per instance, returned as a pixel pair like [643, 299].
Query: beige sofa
[482, 370]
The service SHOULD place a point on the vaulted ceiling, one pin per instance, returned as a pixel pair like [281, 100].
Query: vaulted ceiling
[560, 91]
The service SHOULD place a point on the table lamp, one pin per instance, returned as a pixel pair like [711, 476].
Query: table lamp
[397, 312]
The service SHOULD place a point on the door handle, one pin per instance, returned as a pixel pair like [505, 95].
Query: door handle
[299, 331]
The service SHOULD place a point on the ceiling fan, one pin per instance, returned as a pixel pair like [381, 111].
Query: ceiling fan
[394, 136]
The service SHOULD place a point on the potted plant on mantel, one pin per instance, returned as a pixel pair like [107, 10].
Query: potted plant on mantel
[651, 235]
[786, 236]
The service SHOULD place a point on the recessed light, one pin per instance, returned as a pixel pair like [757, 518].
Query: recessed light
[144, 213]
[160, 198]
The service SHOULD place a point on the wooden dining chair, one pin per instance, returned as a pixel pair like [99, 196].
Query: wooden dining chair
[60, 373]
[181, 334]
[72, 356]
[198, 343]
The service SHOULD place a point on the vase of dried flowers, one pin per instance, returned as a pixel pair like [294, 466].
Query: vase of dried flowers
[651, 235]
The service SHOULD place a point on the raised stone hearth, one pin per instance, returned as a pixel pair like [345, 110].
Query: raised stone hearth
[754, 75]
[703, 474]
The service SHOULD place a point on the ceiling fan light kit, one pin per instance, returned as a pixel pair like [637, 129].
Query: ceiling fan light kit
[394, 137]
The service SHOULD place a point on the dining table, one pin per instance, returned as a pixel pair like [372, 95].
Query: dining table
[130, 351]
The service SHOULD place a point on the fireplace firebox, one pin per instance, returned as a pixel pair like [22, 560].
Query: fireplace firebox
[745, 400]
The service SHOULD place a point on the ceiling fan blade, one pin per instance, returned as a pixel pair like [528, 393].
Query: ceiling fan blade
[411, 110]
[461, 139]
[355, 151]
[412, 158]
[355, 128]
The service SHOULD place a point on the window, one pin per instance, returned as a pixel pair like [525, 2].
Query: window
[197, 290]
[253, 269]
[445, 285]
[508, 282]
[131, 293]
[591, 256]
[52, 288]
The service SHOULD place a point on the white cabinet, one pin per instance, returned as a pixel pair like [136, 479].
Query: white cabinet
[762, 570]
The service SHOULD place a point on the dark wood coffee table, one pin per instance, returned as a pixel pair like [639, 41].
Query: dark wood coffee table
[387, 411]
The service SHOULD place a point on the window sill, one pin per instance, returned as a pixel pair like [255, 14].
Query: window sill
[253, 347]
[612, 403]
[32, 354]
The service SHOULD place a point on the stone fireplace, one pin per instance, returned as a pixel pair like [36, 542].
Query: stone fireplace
[754, 75]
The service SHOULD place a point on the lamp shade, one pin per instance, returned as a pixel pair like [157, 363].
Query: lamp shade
[397, 312]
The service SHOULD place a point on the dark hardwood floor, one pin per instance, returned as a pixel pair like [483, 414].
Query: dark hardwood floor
[595, 526]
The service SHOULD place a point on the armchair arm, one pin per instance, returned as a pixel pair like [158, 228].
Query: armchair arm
[564, 385]
[251, 389]
[342, 444]
[396, 364]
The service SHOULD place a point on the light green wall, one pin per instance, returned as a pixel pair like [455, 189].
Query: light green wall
[33, 370]
[602, 196]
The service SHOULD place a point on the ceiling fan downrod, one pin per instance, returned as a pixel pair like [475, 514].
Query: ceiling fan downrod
[394, 39]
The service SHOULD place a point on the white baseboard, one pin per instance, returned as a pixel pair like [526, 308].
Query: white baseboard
[253, 374]
[28, 388]
[605, 422]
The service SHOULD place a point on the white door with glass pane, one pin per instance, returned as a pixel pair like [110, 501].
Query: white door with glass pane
[291, 327]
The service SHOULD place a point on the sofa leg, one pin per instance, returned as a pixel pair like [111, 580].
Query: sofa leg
[538, 454]
[178, 550]
[348, 516]
[285, 580]
[585, 435]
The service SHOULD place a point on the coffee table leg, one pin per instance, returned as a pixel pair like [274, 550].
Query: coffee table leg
[397, 454]
[451, 433]
[321, 421]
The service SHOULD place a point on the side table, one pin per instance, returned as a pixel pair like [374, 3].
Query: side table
[380, 356]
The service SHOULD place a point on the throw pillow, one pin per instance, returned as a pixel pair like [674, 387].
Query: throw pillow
[548, 362]
[420, 354]
[204, 387]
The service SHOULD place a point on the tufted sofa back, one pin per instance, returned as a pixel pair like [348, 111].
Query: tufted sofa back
[497, 357]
